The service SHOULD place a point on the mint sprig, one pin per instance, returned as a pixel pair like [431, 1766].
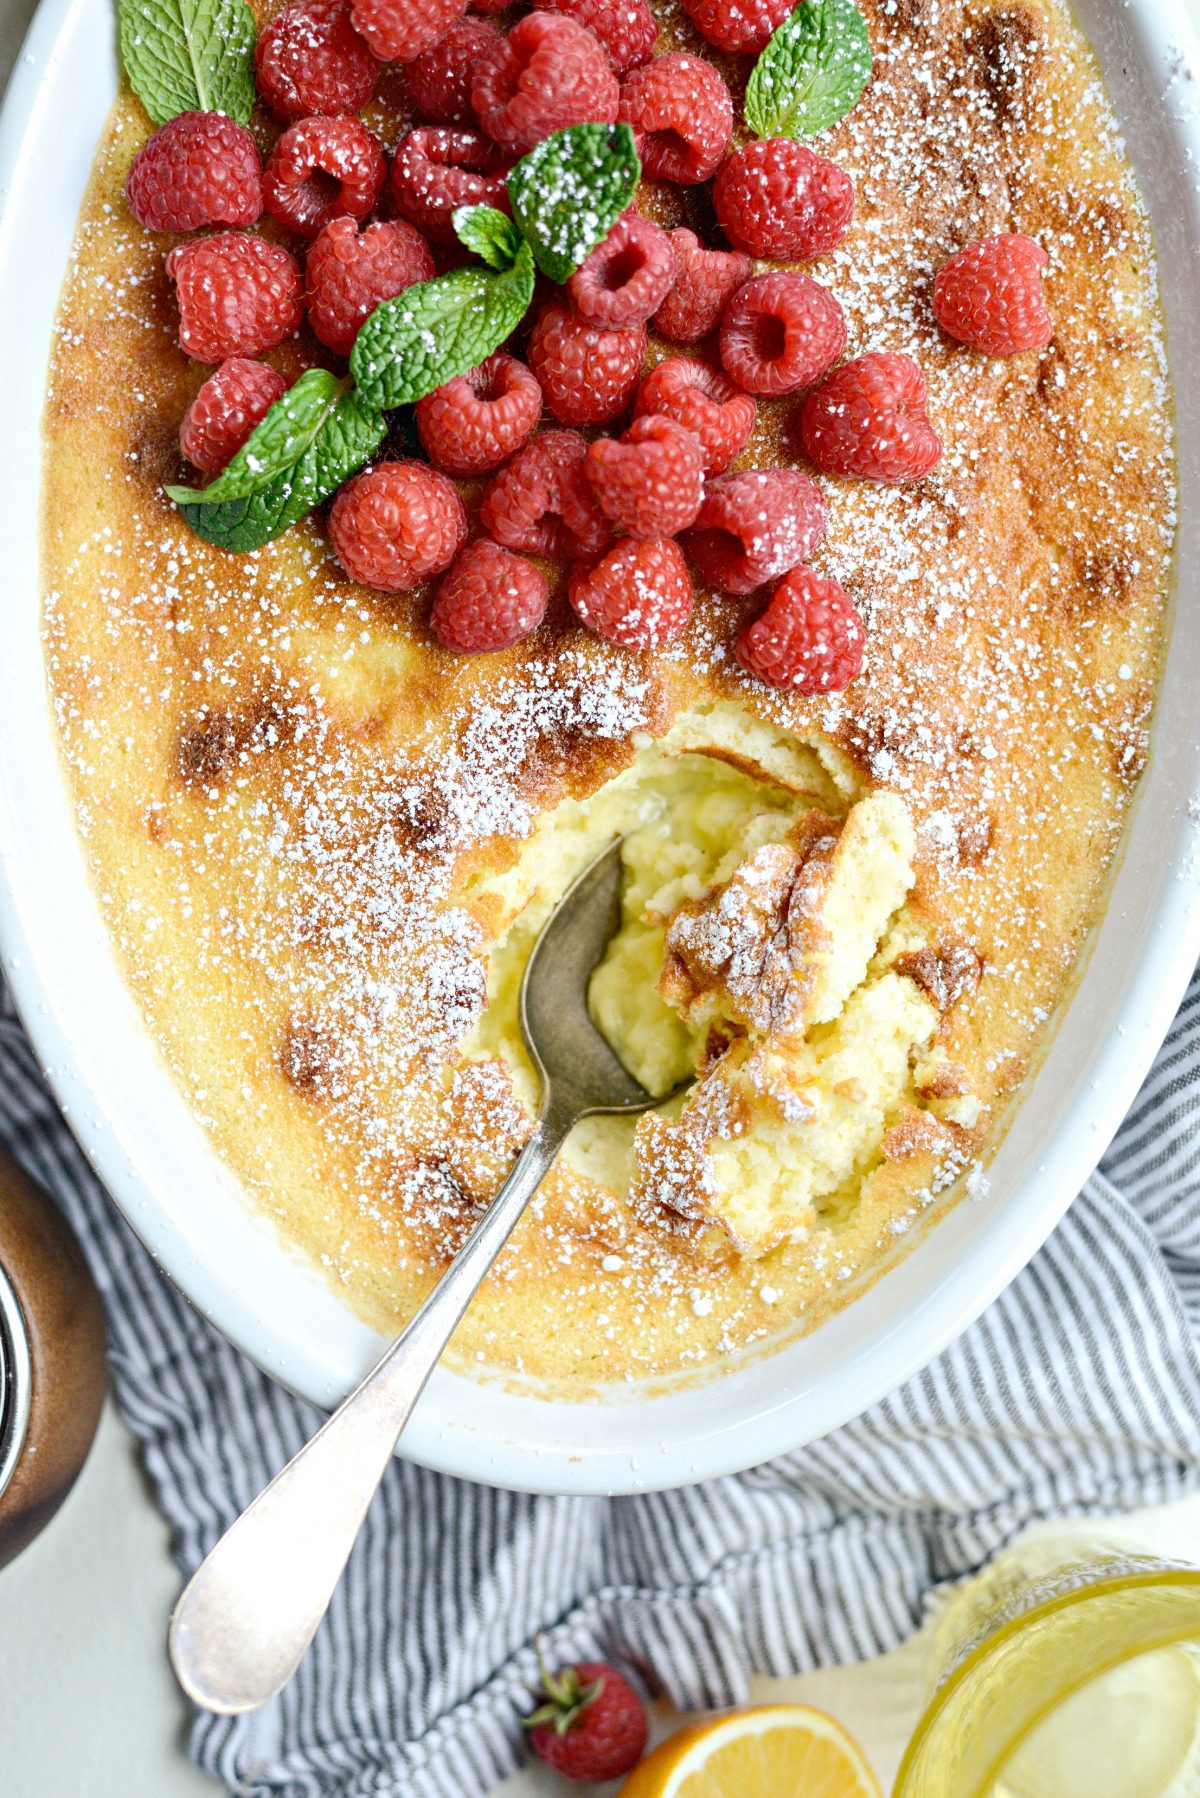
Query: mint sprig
[349, 433]
[277, 442]
[189, 56]
[568, 193]
[489, 233]
[812, 71]
[439, 329]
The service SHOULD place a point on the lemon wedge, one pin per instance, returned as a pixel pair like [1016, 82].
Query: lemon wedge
[760, 1753]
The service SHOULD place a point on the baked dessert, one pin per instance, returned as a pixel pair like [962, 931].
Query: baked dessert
[324, 840]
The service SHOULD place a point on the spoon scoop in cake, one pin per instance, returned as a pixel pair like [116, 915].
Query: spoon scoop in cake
[246, 1618]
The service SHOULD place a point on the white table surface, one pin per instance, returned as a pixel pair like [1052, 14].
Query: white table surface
[88, 1708]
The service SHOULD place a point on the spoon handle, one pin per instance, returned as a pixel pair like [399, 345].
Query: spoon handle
[246, 1618]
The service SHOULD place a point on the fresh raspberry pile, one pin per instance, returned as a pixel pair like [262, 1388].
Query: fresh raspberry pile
[809, 639]
[681, 114]
[626, 278]
[650, 481]
[397, 524]
[200, 168]
[990, 296]
[310, 61]
[780, 332]
[548, 73]
[349, 272]
[233, 400]
[663, 460]
[237, 295]
[435, 171]
[867, 421]
[479, 420]
[322, 169]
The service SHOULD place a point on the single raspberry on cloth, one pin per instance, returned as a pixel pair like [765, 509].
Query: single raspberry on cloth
[704, 281]
[200, 168]
[396, 524]
[542, 501]
[737, 25]
[435, 171]
[309, 61]
[439, 80]
[780, 200]
[681, 115]
[990, 295]
[399, 30]
[639, 595]
[235, 398]
[810, 639]
[756, 525]
[704, 402]
[867, 420]
[650, 481]
[780, 332]
[625, 279]
[478, 420]
[587, 374]
[489, 600]
[322, 169]
[591, 1724]
[349, 272]
[548, 73]
[237, 295]
[627, 28]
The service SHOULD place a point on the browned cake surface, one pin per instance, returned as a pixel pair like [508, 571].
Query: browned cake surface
[283, 783]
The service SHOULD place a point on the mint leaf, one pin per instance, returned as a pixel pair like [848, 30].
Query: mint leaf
[277, 442]
[348, 434]
[439, 329]
[568, 193]
[189, 56]
[489, 233]
[812, 71]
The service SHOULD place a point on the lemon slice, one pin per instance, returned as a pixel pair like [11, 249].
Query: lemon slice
[761, 1753]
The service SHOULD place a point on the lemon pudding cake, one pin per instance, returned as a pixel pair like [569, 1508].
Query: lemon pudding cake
[863, 847]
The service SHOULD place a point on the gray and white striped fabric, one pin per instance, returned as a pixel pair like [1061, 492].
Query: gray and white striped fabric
[1078, 1391]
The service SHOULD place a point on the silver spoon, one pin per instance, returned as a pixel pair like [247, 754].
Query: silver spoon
[245, 1620]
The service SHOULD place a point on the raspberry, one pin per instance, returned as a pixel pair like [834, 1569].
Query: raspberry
[990, 296]
[626, 277]
[543, 503]
[480, 419]
[704, 281]
[640, 595]
[435, 171]
[396, 524]
[489, 600]
[867, 419]
[777, 199]
[323, 169]
[349, 272]
[439, 80]
[586, 374]
[705, 403]
[752, 527]
[235, 398]
[237, 295]
[549, 72]
[650, 481]
[310, 61]
[781, 332]
[200, 168]
[737, 25]
[682, 117]
[627, 28]
[810, 638]
[400, 30]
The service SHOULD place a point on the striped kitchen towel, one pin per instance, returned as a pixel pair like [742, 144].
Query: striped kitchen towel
[1078, 1391]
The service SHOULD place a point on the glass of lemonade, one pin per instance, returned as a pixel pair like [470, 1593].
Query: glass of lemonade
[1079, 1679]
